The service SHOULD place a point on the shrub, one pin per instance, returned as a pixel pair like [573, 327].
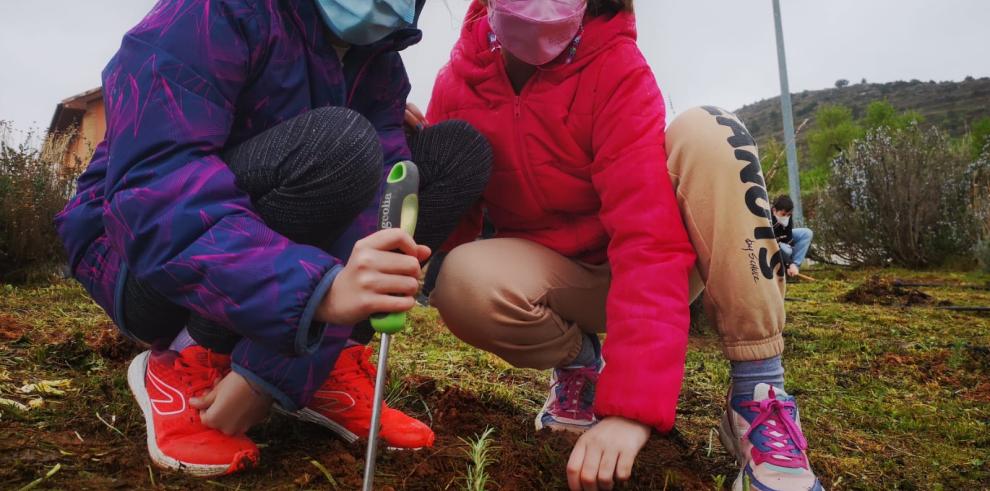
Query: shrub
[33, 187]
[773, 159]
[978, 177]
[902, 196]
[834, 130]
[982, 252]
[980, 136]
[882, 113]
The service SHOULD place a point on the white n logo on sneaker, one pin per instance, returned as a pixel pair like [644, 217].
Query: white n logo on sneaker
[166, 406]
[333, 401]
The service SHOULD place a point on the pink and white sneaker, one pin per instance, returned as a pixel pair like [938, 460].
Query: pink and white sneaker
[570, 404]
[764, 434]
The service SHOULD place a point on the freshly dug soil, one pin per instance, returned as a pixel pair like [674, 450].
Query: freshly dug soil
[94, 457]
[522, 458]
[881, 291]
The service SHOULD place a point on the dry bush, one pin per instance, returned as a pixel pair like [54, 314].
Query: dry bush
[34, 186]
[980, 193]
[905, 197]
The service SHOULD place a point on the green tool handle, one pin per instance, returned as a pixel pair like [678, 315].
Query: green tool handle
[399, 209]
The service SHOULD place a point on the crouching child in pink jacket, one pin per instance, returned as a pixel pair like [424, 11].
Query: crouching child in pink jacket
[608, 222]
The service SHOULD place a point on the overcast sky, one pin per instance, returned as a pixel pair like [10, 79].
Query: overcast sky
[718, 52]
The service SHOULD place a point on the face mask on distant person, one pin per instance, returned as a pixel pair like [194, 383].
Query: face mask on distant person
[536, 31]
[364, 22]
[784, 220]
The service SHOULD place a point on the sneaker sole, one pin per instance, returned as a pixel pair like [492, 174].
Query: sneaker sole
[566, 428]
[728, 439]
[309, 416]
[576, 428]
[731, 445]
[135, 379]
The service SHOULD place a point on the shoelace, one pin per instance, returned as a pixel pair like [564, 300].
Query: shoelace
[364, 361]
[786, 442]
[572, 382]
[361, 373]
[196, 375]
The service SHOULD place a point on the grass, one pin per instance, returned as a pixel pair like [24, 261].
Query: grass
[891, 398]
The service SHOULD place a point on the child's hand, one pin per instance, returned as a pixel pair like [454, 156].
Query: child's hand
[233, 406]
[605, 454]
[415, 121]
[375, 279]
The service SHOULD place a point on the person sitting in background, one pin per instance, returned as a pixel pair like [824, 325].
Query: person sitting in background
[794, 242]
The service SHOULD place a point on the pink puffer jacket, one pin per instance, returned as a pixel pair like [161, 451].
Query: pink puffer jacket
[580, 167]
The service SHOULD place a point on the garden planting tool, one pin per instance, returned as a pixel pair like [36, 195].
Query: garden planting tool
[399, 209]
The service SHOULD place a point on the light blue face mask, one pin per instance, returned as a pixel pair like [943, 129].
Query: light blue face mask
[363, 22]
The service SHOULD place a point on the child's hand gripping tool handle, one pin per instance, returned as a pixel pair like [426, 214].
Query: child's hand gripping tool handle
[399, 209]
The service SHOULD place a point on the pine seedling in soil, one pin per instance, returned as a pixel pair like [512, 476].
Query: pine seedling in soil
[719, 482]
[479, 451]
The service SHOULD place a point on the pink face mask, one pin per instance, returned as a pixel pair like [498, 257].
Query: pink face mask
[536, 31]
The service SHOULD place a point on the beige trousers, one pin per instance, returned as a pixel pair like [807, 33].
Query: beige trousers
[530, 305]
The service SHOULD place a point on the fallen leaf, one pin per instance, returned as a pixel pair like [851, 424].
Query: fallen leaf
[303, 480]
[13, 404]
[53, 387]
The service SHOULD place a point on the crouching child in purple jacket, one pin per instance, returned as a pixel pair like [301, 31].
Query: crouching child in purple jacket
[227, 221]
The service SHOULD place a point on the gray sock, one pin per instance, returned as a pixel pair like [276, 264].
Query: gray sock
[182, 341]
[746, 375]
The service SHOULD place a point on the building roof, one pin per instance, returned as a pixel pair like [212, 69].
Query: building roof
[69, 112]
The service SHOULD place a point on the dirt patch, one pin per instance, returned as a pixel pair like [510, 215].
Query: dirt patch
[528, 460]
[11, 328]
[966, 366]
[108, 463]
[523, 459]
[882, 291]
[110, 344]
[93, 455]
[980, 393]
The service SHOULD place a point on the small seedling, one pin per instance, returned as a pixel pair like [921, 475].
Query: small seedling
[325, 472]
[479, 451]
[719, 482]
[35, 483]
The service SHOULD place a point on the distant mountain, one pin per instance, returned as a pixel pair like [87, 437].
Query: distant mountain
[952, 106]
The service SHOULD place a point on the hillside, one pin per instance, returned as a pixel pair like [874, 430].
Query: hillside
[952, 106]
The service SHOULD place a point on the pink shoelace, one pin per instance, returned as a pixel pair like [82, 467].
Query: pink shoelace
[571, 382]
[784, 438]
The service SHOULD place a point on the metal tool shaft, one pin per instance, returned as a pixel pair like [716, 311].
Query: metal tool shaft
[376, 413]
[399, 208]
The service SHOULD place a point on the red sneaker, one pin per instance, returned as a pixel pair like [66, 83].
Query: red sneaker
[162, 383]
[344, 403]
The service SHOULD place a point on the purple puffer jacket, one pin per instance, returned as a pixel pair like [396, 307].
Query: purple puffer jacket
[194, 77]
